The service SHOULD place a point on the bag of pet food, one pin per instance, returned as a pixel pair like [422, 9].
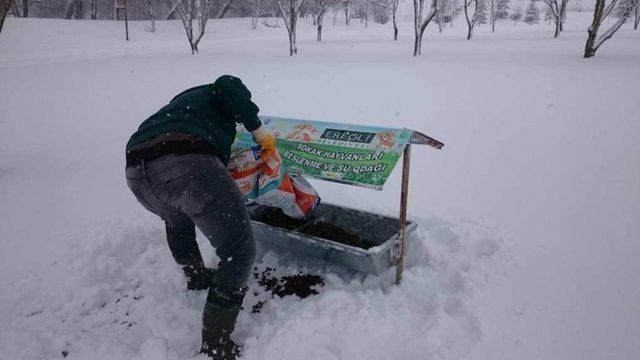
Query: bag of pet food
[268, 183]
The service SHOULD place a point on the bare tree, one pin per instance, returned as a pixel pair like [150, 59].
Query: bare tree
[224, 9]
[516, 15]
[172, 11]
[4, 9]
[151, 16]
[94, 9]
[320, 9]
[420, 21]
[440, 12]
[563, 13]
[498, 10]
[366, 14]
[492, 14]
[14, 8]
[394, 16]
[347, 11]
[189, 11]
[621, 8]
[256, 10]
[24, 5]
[557, 10]
[532, 14]
[290, 11]
[71, 9]
[445, 13]
[392, 7]
[471, 22]
[600, 13]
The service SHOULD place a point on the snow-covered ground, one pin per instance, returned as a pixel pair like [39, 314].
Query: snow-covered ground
[529, 217]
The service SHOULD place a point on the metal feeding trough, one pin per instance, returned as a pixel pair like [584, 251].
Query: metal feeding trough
[348, 154]
[363, 242]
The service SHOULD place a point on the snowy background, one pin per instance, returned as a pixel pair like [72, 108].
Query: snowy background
[529, 230]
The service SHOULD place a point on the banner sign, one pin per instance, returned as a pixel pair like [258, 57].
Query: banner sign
[345, 153]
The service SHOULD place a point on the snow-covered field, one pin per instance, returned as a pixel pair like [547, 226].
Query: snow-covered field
[529, 217]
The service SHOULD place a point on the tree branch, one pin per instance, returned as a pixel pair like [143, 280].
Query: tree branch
[226, 7]
[621, 20]
[386, 6]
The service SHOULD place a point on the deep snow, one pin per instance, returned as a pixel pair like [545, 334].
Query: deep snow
[529, 230]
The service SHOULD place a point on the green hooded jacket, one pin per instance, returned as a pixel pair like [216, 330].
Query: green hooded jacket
[209, 111]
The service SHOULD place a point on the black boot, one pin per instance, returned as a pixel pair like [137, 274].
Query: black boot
[218, 322]
[198, 276]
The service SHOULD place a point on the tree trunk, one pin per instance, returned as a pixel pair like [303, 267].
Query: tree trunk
[420, 23]
[14, 9]
[203, 16]
[469, 22]
[637, 17]
[152, 17]
[290, 14]
[319, 21]
[593, 43]
[126, 20]
[557, 13]
[71, 6]
[563, 13]
[94, 9]
[257, 5]
[493, 16]
[172, 10]
[225, 8]
[366, 13]
[292, 49]
[190, 39]
[4, 9]
[417, 44]
[395, 21]
[347, 15]
[417, 20]
[294, 23]
[589, 49]
[25, 8]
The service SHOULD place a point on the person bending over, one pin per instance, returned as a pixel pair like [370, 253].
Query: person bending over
[176, 168]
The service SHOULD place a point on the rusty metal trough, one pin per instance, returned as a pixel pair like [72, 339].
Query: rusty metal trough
[377, 231]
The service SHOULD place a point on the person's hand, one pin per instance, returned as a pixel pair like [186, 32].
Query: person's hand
[267, 142]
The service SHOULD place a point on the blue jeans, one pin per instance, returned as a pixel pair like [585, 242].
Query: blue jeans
[196, 190]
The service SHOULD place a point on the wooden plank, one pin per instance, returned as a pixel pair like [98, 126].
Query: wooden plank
[404, 192]
[422, 139]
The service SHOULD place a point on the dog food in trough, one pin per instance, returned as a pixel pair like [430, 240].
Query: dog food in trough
[276, 218]
[335, 233]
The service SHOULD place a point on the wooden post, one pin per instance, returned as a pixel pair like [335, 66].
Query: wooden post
[406, 157]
